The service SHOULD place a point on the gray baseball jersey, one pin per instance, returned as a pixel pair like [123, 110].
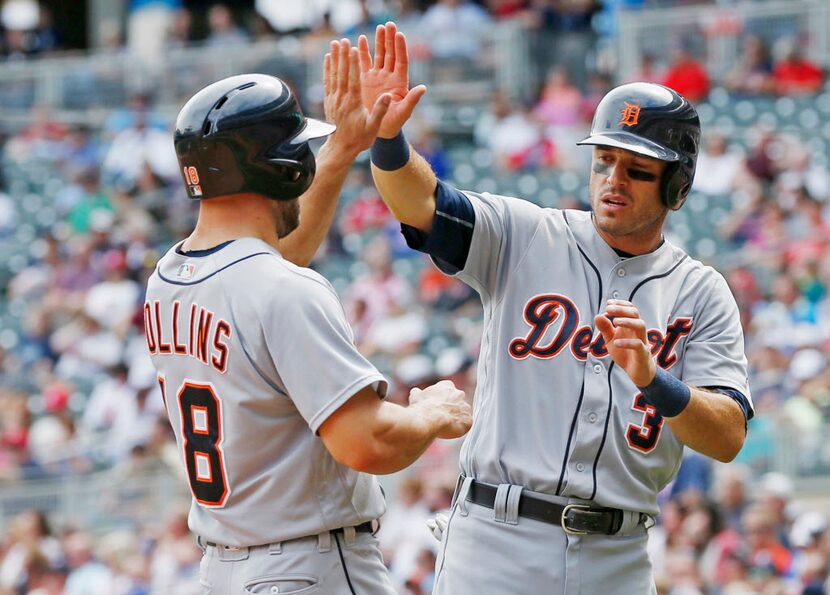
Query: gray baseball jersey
[552, 411]
[253, 355]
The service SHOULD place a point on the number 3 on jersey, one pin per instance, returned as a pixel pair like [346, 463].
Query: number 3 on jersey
[644, 437]
[201, 419]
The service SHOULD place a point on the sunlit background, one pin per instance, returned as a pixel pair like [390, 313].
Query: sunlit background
[92, 497]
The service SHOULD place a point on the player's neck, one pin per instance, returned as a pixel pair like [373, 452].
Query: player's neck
[633, 244]
[221, 220]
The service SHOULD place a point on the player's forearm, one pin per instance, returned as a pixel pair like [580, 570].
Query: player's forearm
[409, 191]
[399, 436]
[712, 424]
[318, 205]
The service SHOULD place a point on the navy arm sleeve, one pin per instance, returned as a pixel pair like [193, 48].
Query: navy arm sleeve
[738, 397]
[448, 243]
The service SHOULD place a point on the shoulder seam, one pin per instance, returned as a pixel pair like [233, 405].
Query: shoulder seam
[219, 270]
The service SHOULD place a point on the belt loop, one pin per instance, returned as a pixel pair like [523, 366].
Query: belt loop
[275, 549]
[630, 522]
[514, 494]
[324, 542]
[349, 535]
[461, 496]
[201, 543]
[500, 503]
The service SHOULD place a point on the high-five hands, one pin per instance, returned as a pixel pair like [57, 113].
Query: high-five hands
[388, 73]
[357, 123]
[626, 340]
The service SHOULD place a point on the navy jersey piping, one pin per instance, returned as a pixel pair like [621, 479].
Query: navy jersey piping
[570, 438]
[588, 260]
[604, 433]
[187, 283]
[203, 252]
[611, 367]
[582, 390]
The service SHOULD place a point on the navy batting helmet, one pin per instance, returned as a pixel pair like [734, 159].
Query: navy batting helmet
[246, 133]
[654, 121]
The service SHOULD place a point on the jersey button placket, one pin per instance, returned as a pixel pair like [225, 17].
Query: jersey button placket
[615, 294]
[620, 272]
[592, 417]
[580, 467]
[598, 368]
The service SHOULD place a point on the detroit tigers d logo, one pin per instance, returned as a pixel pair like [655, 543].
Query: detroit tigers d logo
[544, 340]
[540, 313]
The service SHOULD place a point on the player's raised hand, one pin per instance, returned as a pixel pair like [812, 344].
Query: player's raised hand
[357, 124]
[444, 398]
[627, 341]
[388, 73]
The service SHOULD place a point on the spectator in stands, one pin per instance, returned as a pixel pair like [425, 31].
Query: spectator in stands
[561, 110]
[135, 146]
[171, 563]
[723, 169]
[365, 21]
[139, 109]
[686, 74]
[181, 29]
[512, 136]
[403, 533]
[260, 29]
[222, 28]
[800, 171]
[502, 9]
[444, 19]
[752, 75]
[560, 102]
[20, 20]
[114, 301]
[731, 493]
[288, 18]
[87, 576]
[429, 145]
[650, 70]
[422, 579]
[380, 294]
[28, 536]
[766, 552]
[81, 149]
[91, 200]
[794, 74]
[561, 33]
[149, 23]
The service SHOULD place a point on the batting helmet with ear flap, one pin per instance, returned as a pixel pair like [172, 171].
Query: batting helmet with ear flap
[246, 133]
[654, 121]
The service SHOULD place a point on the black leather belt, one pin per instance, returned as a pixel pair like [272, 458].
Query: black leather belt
[575, 519]
[366, 527]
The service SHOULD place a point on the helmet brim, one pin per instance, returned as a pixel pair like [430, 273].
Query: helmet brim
[313, 129]
[633, 143]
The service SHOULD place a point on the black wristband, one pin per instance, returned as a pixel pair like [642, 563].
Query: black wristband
[668, 394]
[390, 154]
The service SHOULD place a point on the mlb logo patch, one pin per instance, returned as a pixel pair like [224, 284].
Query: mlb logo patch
[186, 271]
[195, 191]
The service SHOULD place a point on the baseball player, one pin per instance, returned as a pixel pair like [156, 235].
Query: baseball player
[278, 418]
[605, 349]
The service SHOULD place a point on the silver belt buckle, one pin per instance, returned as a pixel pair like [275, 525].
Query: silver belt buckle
[564, 520]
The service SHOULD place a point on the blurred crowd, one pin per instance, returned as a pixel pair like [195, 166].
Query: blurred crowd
[85, 212]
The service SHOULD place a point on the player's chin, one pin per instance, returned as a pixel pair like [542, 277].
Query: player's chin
[613, 223]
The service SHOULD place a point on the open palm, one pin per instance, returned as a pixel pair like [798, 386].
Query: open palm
[388, 73]
[357, 124]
